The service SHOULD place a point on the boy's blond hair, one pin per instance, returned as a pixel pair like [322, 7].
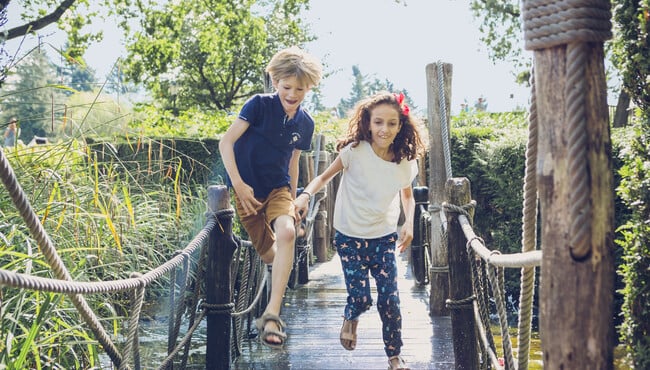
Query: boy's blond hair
[293, 61]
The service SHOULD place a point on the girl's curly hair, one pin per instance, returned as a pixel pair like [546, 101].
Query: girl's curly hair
[408, 142]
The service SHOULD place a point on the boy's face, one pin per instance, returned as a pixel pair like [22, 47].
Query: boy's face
[291, 92]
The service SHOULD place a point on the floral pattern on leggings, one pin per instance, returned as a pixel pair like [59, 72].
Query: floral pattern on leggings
[377, 256]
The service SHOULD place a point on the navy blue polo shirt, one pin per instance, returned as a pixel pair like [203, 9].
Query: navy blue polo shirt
[263, 152]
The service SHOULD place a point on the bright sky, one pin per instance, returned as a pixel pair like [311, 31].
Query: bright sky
[387, 40]
[396, 42]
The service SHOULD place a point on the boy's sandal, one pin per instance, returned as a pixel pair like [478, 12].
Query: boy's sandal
[264, 334]
[401, 364]
[349, 334]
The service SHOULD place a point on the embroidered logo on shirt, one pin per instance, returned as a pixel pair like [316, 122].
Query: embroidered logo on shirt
[295, 137]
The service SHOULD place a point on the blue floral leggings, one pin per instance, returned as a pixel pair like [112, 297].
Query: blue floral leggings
[358, 256]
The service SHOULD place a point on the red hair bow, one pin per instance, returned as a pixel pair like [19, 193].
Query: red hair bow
[400, 100]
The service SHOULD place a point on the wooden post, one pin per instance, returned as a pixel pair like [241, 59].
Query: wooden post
[439, 276]
[576, 296]
[460, 280]
[321, 231]
[221, 247]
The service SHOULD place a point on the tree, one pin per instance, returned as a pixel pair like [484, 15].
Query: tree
[213, 52]
[34, 98]
[501, 29]
[71, 16]
[631, 50]
[363, 87]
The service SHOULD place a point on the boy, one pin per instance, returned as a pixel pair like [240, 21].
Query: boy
[260, 152]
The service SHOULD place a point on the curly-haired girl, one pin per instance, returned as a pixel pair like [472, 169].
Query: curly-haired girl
[378, 160]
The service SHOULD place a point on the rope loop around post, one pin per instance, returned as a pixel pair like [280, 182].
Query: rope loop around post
[217, 308]
[463, 210]
[460, 304]
[550, 23]
[220, 213]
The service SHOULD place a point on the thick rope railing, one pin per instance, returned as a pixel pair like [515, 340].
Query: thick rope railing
[529, 233]
[494, 264]
[47, 248]
[550, 23]
[137, 283]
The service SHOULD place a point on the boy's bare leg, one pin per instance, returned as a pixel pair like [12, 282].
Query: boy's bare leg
[281, 255]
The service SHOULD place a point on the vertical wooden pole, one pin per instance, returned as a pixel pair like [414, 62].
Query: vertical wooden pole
[439, 276]
[321, 230]
[460, 280]
[576, 296]
[221, 247]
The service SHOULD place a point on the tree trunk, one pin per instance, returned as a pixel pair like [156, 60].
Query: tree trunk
[576, 294]
[622, 109]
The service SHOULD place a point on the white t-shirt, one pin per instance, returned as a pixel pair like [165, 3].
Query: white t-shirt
[367, 201]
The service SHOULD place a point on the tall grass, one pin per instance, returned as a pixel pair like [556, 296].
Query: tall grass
[104, 226]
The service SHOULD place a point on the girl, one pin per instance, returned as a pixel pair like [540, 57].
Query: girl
[378, 160]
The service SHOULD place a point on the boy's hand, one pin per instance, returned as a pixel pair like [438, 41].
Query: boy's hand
[247, 199]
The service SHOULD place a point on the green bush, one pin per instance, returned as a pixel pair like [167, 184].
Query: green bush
[493, 159]
[634, 191]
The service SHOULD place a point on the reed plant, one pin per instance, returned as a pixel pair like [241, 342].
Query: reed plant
[104, 226]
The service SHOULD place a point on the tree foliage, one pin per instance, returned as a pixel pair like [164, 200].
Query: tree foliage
[632, 49]
[211, 53]
[500, 28]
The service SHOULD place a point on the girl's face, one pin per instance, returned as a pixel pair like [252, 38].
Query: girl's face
[291, 93]
[384, 126]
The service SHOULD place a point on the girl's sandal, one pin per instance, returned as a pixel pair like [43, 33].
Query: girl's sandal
[400, 364]
[349, 334]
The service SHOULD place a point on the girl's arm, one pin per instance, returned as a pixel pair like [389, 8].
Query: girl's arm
[406, 232]
[302, 203]
[244, 192]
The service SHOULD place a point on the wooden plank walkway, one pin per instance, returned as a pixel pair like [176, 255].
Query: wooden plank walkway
[313, 313]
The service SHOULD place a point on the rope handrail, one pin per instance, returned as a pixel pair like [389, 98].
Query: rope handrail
[26, 281]
[510, 260]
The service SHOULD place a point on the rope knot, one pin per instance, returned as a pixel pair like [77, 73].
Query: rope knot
[549, 23]
[463, 210]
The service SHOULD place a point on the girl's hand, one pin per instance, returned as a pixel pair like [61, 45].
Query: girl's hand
[247, 199]
[405, 238]
[302, 205]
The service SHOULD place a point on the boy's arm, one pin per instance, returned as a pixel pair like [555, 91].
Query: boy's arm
[406, 231]
[294, 170]
[226, 149]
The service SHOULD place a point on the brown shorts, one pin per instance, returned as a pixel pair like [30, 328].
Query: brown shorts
[259, 227]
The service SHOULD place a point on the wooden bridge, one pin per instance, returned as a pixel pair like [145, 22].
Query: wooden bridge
[573, 268]
[313, 314]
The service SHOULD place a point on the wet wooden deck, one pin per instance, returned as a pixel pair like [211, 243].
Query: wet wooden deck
[313, 313]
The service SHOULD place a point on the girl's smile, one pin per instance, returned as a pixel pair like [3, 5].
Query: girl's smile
[384, 127]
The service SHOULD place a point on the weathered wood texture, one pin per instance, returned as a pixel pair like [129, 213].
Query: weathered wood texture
[437, 178]
[313, 314]
[460, 280]
[576, 296]
[218, 291]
